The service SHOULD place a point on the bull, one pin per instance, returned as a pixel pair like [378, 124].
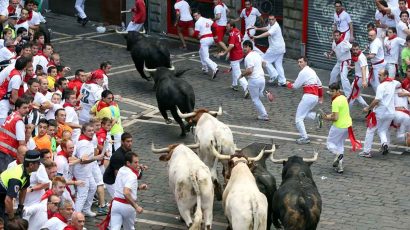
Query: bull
[148, 53]
[172, 91]
[190, 181]
[211, 133]
[244, 205]
[297, 202]
[264, 179]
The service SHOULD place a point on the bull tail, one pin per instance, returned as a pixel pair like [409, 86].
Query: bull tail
[196, 224]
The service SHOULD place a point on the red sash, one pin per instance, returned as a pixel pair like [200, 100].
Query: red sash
[355, 90]
[406, 111]
[371, 120]
[371, 69]
[311, 89]
[206, 36]
[355, 143]
[106, 222]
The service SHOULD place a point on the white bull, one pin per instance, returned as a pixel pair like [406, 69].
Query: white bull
[190, 181]
[244, 205]
[211, 133]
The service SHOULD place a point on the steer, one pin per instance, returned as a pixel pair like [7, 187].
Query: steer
[173, 92]
[264, 179]
[190, 181]
[148, 53]
[211, 133]
[297, 202]
[244, 205]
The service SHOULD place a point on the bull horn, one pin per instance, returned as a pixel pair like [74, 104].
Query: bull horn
[313, 159]
[149, 70]
[121, 31]
[185, 115]
[280, 161]
[272, 150]
[218, 155]
[218, 113]
[154, 150]
[193, 146]
[258, 157]
[172, 68]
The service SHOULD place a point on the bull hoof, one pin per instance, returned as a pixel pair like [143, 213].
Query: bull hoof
[168, 121]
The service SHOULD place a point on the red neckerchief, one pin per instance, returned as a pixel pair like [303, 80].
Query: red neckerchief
[27, 77]
[44, 93]
[84, 137]
[177, 1]
[30, 15]
[20, 21]
[62, 153]
[134, 171]
[67, 104]
[101, 105]
[247, 54]
[47, 194]
[51, 63]
[342, 37]
[49, 214]
[69, 227]
[392, 37]
[42, 54]
[338, 14]
[219, 3]
[248, 12]
[355, 58]
[387, 79]
[60, 217]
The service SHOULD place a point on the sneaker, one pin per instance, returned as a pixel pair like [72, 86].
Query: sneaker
[215, 72]
[269, 95]
[79, 19]
[103, 210]
[235, 87]
[271, 80]
[84, 21]
[263, 118]
[384, 149]
[205, 70]
[90, 214]
[338, 158]
[247, 94]
[339, 168]
[365, 154]
[282, 85]
[319, 119]
[302, 141]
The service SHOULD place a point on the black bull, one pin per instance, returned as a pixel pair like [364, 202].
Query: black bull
[297, 202]
[264, 179]
[171, 91]
[149, 51]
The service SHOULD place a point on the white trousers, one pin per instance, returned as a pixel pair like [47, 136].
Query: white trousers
[205, 43]
[134, 26]
[36, 215]
[391, 67]
[256, 87]
[359, 98]
[402, 120]
[98, 178]
[236, 72]
[79, 6]
[336, 139]
[382, 127]
[117, 141]
[375, 82]
[85, 195]
[341, 68]
[110, 189]
[122, 214]
[271, 57]
[308, 102]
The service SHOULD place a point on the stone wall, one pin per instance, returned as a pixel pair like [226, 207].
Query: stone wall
[292, 27]
[157, 15]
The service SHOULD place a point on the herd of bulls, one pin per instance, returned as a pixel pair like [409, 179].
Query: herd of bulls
[249, 194]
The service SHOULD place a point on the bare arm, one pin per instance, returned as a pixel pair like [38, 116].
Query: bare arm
[364, 74]
[381, 7]
[14, 95]
[331, 117]
[128, 197]
[264, 35]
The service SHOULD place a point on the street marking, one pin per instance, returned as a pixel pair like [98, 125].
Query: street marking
[63, 38]
[95, 32]
[67, 41]
[106, 43]
[101, 35]
[62, 34]
[177, 216]
[152, 222]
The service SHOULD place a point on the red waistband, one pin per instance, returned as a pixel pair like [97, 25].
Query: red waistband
[346, 31]
[206, 36]
[406, 111]
[311, 89]
[379, 62]
[121, 200]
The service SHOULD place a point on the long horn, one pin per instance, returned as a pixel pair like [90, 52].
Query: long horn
[121, 31]
[193, 146]
[214, 113]
[258, 157]
[313, 159]
[154, 150]
[280, 161]
[220, 156]
[272, 150]
[185, 115]
[172, 68]
[149, 70]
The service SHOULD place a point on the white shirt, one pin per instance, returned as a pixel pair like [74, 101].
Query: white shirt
[35, 19]
[307, 76]
[6, 54]
[219, 9]
[342, 21]
[125, 179]
[400, 27]
[91, 94]
[400, 101]
[203, 26]
[342, 50]
[14, 83]
[40, 60]
[54, 224]
[50, 114]
[362, 61]
[254, 60]
[39, 98]
[392, 49]
[276, 41]
[384, 19]
[72, 117]
[38, 177]
[251, 19]
[376, 47]
[184, 11]
[63, 168]
[83, 148]
[385, 95]
[396, 13]
[392, 3]
[23, 24]
[31, 144]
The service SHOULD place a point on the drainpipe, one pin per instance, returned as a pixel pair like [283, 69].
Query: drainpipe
[305, 27]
